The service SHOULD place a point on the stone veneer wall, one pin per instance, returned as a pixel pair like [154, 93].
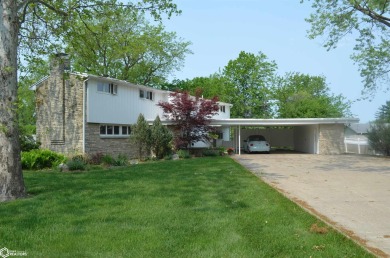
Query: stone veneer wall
[59, 108]
[331, 139]
[112, 146]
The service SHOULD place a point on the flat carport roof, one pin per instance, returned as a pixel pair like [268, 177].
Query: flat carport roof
[282, 121]
[238, 122]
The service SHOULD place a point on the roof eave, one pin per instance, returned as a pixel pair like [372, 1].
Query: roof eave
[283, 122]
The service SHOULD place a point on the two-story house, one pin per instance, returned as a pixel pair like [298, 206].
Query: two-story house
[83, 113]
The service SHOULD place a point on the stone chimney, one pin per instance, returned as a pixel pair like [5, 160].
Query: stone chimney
[59, 64]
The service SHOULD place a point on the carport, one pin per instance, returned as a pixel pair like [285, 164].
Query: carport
[307, 135]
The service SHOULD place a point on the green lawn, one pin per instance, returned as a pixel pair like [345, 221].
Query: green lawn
[204, 207]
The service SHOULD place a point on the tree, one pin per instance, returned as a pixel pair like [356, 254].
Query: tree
[248, 79]
[299, 95]
[213, 85]
[161, 138]
[379, 132]
[379, 137]
[120, 43]
[383, 113]
[191, 117]
[370, 19]
[141, 137]
[29, 73]
[38, 26]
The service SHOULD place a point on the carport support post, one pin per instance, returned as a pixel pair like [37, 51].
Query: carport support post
[239, 140]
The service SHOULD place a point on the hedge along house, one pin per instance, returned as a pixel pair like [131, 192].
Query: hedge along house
[80, 113]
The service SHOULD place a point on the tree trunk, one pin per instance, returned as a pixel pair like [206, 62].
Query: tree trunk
[11, 177]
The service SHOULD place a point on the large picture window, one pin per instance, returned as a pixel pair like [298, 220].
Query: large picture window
[115, 130]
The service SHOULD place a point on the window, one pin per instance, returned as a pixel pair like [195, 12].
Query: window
[126, 130]
[107, 88]
[149, 95]
[222, 109]
[109, 129]
[103, 129]
[146, 94]
[113, 88]
[115, 130]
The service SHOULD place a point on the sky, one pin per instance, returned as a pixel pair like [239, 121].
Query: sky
[220, 29]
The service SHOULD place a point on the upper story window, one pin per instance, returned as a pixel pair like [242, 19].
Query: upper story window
[107, 88]
[146, 94]
[222, 109]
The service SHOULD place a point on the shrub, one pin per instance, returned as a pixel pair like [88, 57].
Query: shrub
[379, 137]
[230, 151]
[96, 158]
[168, 157]
[76, 164]
[161, 138]
[39, 159]
[210, 153]
[121, 160]
[79, 157]
[184, 154]
[141, 137]
[221, 151]
[108, 160]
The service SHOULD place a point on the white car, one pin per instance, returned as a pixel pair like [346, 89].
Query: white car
[256, 143]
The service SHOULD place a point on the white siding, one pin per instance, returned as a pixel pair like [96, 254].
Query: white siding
[223, 115]
[226, 133]
[122, 108]
[306, 139]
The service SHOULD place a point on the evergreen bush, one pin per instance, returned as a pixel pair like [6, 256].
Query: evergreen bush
[161, 139]
[379, 137]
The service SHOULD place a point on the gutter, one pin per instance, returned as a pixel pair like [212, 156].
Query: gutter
[283, 121]
[85, 85]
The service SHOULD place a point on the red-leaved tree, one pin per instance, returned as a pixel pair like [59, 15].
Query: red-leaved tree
[191, 116]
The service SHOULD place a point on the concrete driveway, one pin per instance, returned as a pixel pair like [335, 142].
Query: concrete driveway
[351, 192]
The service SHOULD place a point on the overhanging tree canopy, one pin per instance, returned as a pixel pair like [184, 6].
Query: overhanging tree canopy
[122, 44]
[369, 20]
[36, 27]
